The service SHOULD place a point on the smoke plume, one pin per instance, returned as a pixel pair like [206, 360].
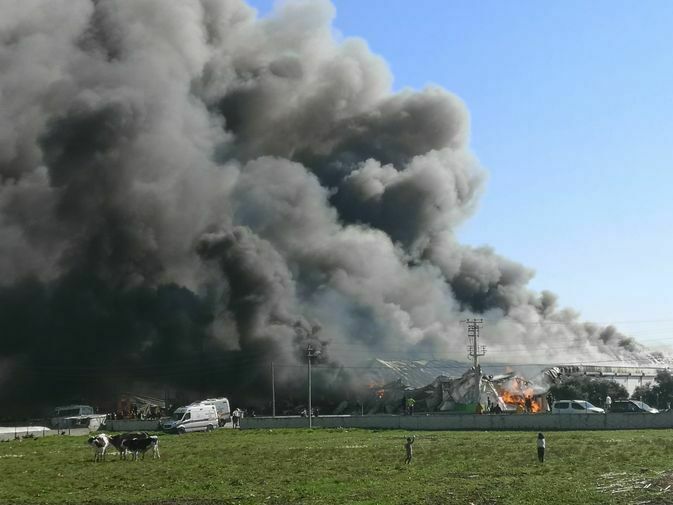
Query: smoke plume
[188, 192]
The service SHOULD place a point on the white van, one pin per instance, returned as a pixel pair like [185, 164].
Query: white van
[196, 417]
[575, 407]
[222, 407]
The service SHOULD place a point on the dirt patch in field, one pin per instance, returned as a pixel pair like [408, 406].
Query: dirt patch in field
[641, 489]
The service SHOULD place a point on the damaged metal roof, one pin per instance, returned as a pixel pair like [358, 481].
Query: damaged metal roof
[420, 373]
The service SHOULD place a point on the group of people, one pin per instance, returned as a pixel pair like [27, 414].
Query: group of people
[134, 413]
[491, 407]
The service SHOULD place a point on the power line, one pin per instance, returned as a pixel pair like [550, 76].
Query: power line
[474, 351]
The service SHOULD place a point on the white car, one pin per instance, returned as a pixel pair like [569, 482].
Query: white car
[575, 407]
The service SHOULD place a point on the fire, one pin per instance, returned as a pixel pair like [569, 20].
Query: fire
[378, 390]
[516, 398]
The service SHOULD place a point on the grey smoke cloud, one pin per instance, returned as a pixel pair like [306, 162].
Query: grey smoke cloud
[184, 178]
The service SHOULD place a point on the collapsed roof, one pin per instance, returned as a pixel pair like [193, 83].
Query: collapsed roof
[437, 391]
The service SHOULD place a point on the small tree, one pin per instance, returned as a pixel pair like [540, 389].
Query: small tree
[569, 389]
[645, 393]
[660, 394]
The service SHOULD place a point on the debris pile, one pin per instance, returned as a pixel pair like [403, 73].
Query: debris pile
[507, 393]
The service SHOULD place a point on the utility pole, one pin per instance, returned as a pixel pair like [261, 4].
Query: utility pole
[273, 391]
[309, 355]
[473, 348]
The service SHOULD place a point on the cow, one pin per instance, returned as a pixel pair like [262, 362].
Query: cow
[138, 446]
[99, 443]
[117, 442]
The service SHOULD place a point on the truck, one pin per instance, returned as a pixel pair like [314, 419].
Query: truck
[193, 417]
[76, 416]
[223, 409]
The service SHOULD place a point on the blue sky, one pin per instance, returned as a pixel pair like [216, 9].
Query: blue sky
[571, 109]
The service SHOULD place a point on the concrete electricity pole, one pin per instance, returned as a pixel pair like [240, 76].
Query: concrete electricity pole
[474, 351]
[309, 354]
[273, 391]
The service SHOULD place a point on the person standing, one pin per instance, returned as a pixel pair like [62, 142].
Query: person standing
[410, 406]
[608, 403]
[409, 449]
[541, 446]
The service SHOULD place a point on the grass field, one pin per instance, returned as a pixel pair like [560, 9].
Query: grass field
[348, 467]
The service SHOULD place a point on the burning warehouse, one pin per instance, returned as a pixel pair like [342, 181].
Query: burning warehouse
[448, 393]
[520, 395]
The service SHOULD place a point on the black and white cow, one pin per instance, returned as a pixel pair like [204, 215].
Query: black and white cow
[100, 444]
[118, 440]
[137, 446]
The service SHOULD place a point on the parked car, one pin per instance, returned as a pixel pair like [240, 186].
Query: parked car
[632, 406]
[575, 407]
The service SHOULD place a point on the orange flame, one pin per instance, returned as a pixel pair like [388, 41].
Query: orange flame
[377, 389]
[511, 398]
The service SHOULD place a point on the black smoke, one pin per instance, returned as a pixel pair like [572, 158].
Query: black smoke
[189, 192]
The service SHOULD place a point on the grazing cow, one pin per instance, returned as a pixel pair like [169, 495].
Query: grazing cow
[117, 442]
[99, 443]
[138, 446]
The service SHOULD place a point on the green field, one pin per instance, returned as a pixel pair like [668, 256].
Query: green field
[348, 467]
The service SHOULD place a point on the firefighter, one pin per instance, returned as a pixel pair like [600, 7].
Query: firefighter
[410, 406]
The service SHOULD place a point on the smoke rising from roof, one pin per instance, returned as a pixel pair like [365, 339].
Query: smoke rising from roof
[183, 183]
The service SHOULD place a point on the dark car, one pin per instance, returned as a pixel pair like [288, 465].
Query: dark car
[632, 406]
